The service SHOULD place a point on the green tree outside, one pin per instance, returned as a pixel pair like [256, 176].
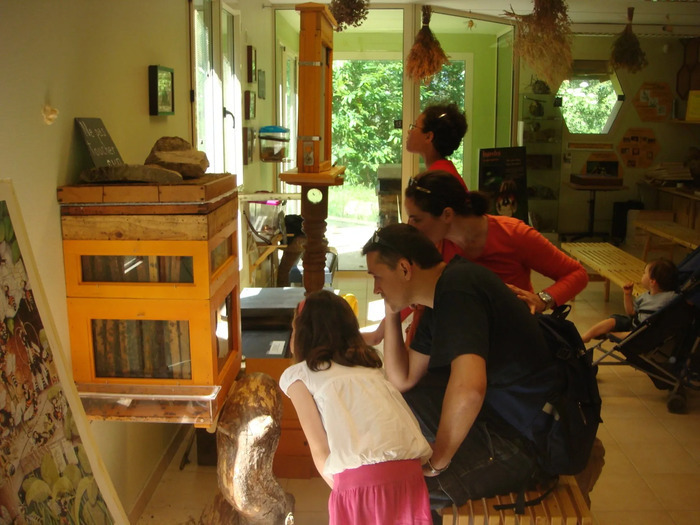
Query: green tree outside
[587, 104]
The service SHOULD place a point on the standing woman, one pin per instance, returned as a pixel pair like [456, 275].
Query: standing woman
[363, 437]
[436, 134]
[443, 210]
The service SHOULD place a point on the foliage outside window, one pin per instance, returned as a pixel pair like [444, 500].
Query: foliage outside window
[366, 102]
[591, 99]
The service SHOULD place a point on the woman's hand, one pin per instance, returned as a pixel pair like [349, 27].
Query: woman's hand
[532, 299]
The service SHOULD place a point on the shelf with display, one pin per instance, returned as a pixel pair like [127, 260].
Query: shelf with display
[540, 131]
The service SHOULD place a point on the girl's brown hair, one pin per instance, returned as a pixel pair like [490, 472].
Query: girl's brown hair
[326, 330]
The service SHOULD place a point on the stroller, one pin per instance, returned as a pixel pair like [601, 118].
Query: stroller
[666, 346]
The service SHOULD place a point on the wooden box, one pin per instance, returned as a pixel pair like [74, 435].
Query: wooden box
[153, 299]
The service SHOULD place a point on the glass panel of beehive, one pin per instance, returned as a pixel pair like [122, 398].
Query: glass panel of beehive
[137, 268]
[142, 349]
[221, 253]
[224, 330]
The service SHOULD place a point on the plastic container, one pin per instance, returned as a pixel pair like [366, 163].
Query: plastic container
[273, 143]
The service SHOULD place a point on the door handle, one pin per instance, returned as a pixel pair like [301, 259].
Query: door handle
[227, 113]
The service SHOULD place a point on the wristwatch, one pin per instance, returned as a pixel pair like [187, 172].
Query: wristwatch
[546, 299]
[435, 471]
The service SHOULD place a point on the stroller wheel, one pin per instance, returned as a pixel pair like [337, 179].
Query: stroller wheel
[676, 403]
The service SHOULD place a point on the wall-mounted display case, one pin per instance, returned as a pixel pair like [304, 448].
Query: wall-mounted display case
[540, 130]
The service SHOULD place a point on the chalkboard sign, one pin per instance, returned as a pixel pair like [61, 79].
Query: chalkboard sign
[502, 174]
[102, 150]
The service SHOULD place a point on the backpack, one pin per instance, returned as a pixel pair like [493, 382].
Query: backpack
[566, 438]
[557, 408]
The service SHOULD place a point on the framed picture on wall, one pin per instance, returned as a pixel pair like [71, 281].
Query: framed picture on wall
[252, 70]
[248, 144]
[50, 460]
[161, 81]
[261, 85]
[249, 105]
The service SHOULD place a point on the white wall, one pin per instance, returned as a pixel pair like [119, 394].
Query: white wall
[87, 58]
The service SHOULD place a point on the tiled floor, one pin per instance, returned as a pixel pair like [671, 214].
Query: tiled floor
[652, 459]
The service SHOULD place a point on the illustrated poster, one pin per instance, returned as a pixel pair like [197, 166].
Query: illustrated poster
[50, 472]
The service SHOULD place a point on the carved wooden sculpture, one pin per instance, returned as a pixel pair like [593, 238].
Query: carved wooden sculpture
[246, 439]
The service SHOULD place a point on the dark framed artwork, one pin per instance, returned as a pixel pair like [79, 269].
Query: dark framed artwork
[251, 62]
[248, 144]
[249, 105]
[261, 85]
[51, 468]
[161, 89]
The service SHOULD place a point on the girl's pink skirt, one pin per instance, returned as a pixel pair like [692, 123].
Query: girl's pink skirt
[393, 492]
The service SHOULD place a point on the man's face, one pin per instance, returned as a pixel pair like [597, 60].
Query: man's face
[392, 285]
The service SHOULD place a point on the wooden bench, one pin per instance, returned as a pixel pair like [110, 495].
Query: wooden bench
[563, 506]
[610, 264]
[669, 230]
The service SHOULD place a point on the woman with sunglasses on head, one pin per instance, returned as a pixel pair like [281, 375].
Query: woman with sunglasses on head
[457, 221]
[364, 439]
[435, 135]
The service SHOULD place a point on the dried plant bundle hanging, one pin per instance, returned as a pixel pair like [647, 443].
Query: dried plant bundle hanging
[626, 51]
[348, 12]
[426, 57]
[544, 40]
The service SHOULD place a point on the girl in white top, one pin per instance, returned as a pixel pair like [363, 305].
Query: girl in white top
[364, 440]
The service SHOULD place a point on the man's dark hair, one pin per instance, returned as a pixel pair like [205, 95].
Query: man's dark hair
[398, 241]
[665, 273]
[448, 125]
[433, 191]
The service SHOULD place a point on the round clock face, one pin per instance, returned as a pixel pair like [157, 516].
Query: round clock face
[314, 195]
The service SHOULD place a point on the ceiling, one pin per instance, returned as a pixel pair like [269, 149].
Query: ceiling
[672, 18]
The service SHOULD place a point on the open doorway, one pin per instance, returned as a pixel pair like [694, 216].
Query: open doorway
[373, 104]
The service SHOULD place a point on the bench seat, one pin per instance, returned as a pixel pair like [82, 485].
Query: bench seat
[563, 506]
[608, 262]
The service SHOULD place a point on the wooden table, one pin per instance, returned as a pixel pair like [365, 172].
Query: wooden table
[672, 231]
[592, 190]
[610, 264]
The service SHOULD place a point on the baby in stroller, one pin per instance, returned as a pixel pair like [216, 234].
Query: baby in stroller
[666, 345]
[660, 279]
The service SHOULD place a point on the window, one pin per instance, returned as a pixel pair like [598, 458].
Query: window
[591, 99]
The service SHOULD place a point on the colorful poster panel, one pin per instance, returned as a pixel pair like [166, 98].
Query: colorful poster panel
[653, 101]
[502, 174]
[50, 472]
[638, 148]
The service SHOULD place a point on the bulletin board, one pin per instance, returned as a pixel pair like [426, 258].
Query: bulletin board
[638, 148]
[653, 101]
[50, 470]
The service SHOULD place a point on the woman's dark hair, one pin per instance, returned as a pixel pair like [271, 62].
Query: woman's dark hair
[448, 125]
[665, 273]
[326, 330]
[435, 190]
[403, 241]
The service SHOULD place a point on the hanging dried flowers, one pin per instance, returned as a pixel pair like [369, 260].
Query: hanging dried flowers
[348, 12]
[544, 40]
[626, 51]
[426, 56]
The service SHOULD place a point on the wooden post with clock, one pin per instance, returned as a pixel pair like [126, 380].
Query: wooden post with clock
[314, 172]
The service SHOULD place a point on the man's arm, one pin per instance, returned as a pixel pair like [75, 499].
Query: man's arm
[312, 425]
[463, 399]
[404, 367]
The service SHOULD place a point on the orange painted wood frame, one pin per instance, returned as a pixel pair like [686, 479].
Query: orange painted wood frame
[316, 87]
[201, 315]
[204, 282]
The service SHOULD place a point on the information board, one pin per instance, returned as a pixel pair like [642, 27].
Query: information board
[502, 174]
[102, 150]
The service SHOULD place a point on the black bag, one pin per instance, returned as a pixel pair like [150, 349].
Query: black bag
[565, 440]
[557, 408]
